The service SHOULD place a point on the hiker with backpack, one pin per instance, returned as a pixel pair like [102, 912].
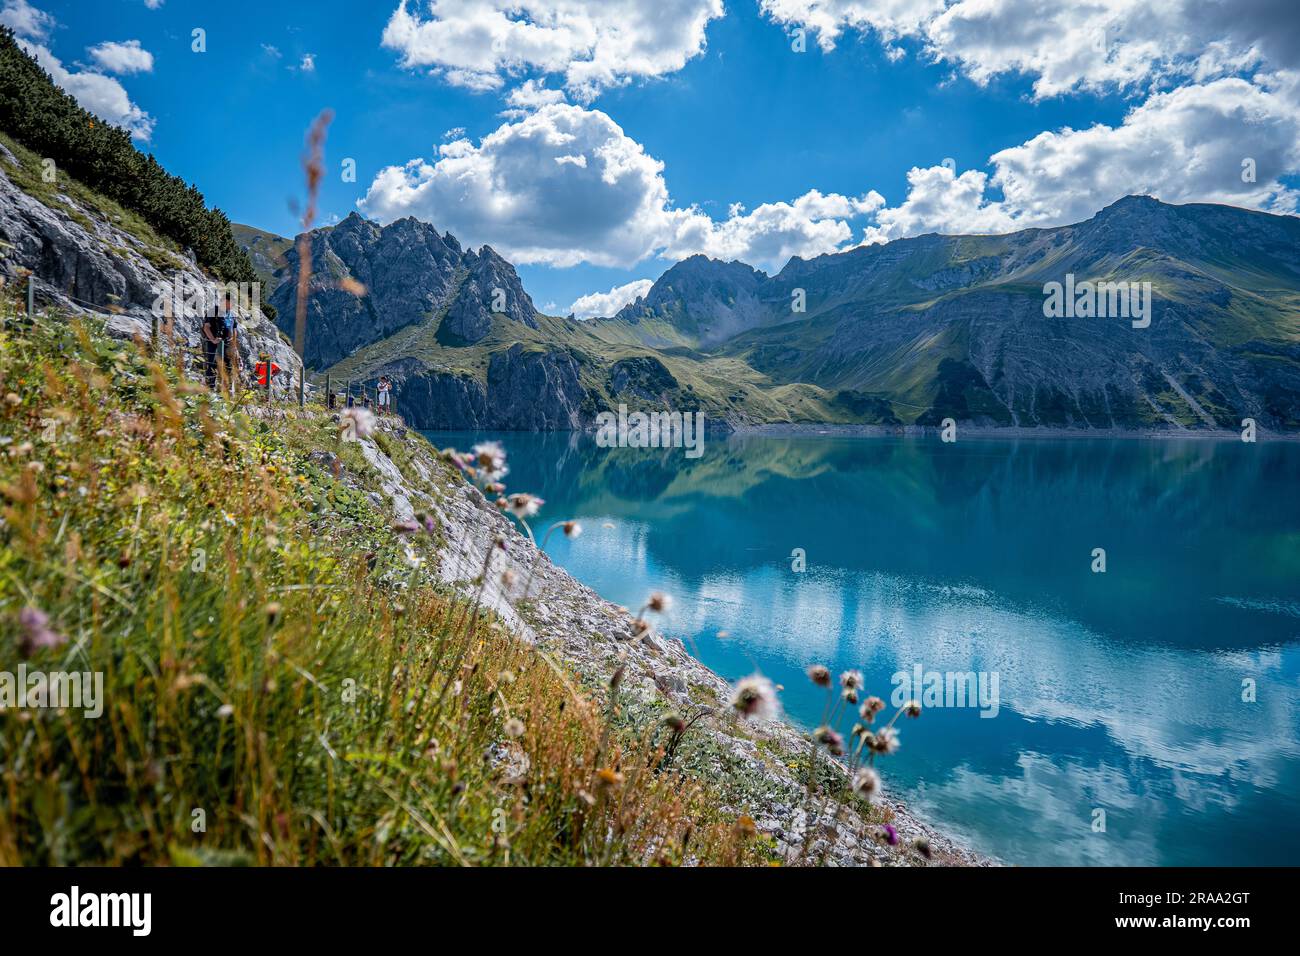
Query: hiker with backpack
[220, 350]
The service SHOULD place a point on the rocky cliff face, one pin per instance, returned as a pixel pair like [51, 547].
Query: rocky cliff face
[85, 260]
[524, 391]
[411, 274]
[705, 298]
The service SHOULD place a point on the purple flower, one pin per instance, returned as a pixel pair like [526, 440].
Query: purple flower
[36, 632]
[890, 834]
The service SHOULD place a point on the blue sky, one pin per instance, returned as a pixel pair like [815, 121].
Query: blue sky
[604, 140]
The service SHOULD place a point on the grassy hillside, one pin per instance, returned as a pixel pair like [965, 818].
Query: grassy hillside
[285, 681]
[265, 250]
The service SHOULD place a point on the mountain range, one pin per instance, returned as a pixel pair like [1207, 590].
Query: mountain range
[907, 332]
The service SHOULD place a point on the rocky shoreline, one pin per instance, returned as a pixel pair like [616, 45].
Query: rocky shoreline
[762, 760]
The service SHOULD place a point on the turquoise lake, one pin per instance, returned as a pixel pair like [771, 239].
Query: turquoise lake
[1120, 691]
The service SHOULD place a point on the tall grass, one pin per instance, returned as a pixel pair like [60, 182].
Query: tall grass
[285, 684]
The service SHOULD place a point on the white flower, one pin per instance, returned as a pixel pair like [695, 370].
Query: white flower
[866, 783]
[884, 741]
[754, 696]
[851, 680]
[356, 423]
[490, 459]
[572, 529]
[524, 506]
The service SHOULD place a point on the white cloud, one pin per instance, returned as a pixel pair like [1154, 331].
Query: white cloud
[128, 57]
[530, 95]
[808, 226]
[593, 44]
[25, 20]
[828, 19]
[272, 51]
[153, 4]
[607, 303]
[308, 64]
[564, 185]
[1186, 145]
[1119, 44]
[102, 95]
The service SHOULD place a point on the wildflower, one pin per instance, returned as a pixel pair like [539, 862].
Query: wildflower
[884, 741]
[851, 680]
[406, 527]
[889, 834]
[609, 779]
[494, 488]
[830, 739]
[866, 783]
[912, 708]
[754, 696]
[36, 631]
[870, 707]
[745, 827]
[273, 611]
[820, 675]
[850, 695]
[572, 529]
[358, 422]
[506, 677]
[659, 602]
[675, 723]
[490, 458]
[412, 558]
[922, 846]
[225, 710]
[507, 579]
[524, 506]
[514, 728]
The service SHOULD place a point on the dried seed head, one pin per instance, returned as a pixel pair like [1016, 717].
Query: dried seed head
[820, 675]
